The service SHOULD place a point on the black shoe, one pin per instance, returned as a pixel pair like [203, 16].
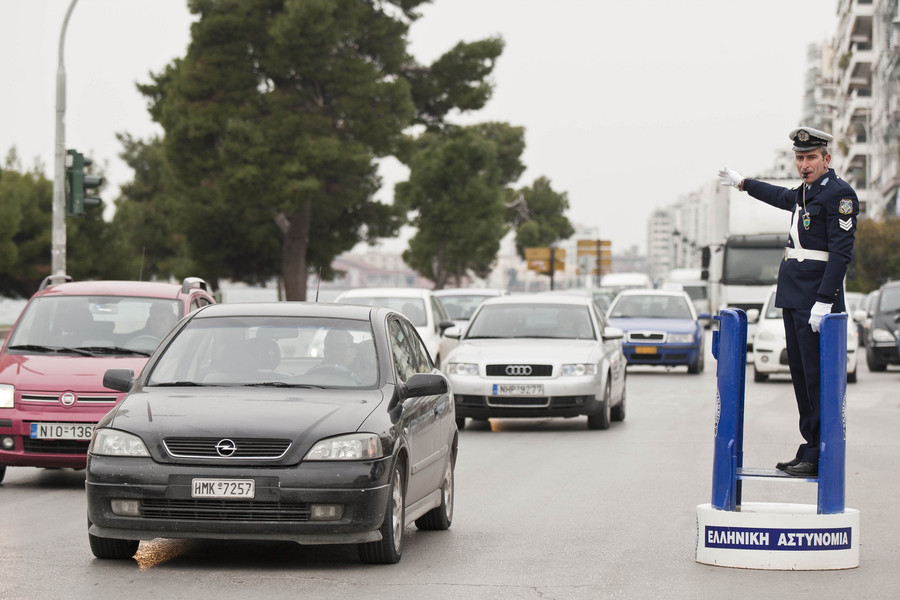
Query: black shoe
[803, 469]
[784, 465]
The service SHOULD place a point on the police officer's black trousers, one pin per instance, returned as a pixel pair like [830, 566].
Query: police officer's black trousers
[803, 358]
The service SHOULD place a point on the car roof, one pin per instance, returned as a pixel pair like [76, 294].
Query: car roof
[540, 299]
[141, 289]
[288, 309]
[397, 292]
[653, 292]
[470, 292]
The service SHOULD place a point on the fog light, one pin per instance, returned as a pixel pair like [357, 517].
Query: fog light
[8, 442]
[764, 358]
[126, 508]
[325, 512]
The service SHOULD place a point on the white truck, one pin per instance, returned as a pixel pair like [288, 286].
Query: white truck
[741, 263]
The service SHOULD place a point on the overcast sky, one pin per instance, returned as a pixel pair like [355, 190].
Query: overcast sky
[626, 105]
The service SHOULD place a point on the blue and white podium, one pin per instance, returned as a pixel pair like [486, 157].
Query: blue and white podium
[777, 536]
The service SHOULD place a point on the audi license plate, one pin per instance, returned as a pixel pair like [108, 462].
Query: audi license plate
[645, 350]
[61, 431]
[518, 389]
[222, 488]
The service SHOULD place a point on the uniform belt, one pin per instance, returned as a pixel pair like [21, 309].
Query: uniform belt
[802, 254]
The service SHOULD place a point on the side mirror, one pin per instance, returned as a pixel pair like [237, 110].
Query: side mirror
[753, 315]
[859, 315]
[613, 333]
[445, 325]
[704, 316]
[120, 380]
[425, 384]
[453, 332]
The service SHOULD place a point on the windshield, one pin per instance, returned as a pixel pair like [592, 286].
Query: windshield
[772, 311]
[557, 321]
[411, 308]
[276, 351]
[461, 308]
[95, 322]
[654, 306]
[890, 300]
[751, 266]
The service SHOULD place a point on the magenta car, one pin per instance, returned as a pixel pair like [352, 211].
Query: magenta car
[53, 360]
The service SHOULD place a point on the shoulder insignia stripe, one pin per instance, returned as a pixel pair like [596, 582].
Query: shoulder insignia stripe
[846, 224]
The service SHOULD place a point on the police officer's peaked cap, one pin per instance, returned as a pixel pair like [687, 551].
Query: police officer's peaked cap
[807, 138]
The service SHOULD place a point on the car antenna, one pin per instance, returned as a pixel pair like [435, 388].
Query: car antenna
[143, 252]
[318, 281]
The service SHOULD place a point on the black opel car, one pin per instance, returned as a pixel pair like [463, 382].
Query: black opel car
[315, 423]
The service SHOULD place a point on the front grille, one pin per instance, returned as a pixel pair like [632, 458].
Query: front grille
[79, 399]
[536, 370]
[223, 510]
[55, 446]
[527, 402]
[640, 337]
[245, 448]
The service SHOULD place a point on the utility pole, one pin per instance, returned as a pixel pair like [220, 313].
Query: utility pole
[58, 232]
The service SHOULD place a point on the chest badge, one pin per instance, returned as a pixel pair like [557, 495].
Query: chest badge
[806, 221]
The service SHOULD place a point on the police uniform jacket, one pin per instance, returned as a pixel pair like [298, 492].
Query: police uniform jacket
[828, 223]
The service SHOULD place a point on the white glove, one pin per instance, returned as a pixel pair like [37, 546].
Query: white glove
[730, 177]
[819, 310]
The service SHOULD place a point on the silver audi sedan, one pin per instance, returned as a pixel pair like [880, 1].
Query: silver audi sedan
[538, 356]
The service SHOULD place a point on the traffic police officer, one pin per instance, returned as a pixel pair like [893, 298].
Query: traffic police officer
[811, 275]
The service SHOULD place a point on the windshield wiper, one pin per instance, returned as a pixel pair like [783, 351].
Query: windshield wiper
[282, 384]
[179, 384]
[112, 350]
[53, 349]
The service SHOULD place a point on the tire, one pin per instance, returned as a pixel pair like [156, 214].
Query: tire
[697, 366]
[439, 518]
[601, 419]
[460, 423]
[851, 377]
[760, 377]
[617, 412]
[2, 472]
[389, 549]
[873, 363]
[111, 548]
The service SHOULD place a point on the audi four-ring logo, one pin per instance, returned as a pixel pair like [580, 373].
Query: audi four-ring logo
[518, 370]
[226, 447]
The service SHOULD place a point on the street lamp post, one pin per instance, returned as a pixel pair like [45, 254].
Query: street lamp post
[58, 232]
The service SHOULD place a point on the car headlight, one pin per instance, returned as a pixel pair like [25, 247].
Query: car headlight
[577, 370]
[681, 338]
[7, 395]
[111, 442]
[462, 369]
[882, 335]
[358, 446]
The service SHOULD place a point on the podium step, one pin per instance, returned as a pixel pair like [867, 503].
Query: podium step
[751, 473]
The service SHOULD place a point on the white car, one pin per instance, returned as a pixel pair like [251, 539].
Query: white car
[419, 305]
[769, 345]
[538, 355]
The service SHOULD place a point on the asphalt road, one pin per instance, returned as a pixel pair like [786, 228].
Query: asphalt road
[544, 509]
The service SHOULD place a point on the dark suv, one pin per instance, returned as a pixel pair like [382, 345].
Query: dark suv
[53, 360]
[883, 319]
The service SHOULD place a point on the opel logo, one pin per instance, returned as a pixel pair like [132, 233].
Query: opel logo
[518, 370]
[67, 399]
[226, 447]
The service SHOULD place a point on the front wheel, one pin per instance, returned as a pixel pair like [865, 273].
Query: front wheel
[760, 377]
[873, 363]
[696, 367]
[2, 472]
[439, 518]
[601, 419]
[389, 548]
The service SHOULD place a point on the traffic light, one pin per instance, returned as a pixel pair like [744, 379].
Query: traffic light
[80, 186]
